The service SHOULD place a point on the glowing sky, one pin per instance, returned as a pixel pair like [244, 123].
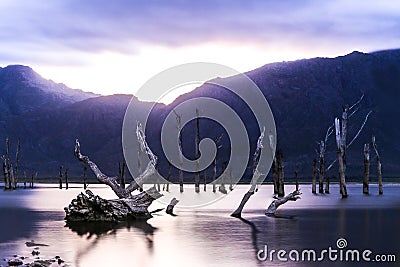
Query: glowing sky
[115, 46]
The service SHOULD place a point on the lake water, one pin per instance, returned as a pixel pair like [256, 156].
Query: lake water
[207, 236]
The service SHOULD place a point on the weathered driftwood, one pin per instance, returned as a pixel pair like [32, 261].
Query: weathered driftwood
[127, 205]
[295, 195]
[379, 166]
[171, 206]
[256, 176]
[92, 208]
[314, 177]
[366, 169]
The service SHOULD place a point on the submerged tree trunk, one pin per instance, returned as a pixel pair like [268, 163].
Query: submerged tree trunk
[327, 185]
[121, 171]
[314, 177]
[197, 149]
[66, 179]
[60, 177]
[295, 195]
[366, 170]
[222, 188]
[16, 164]
[341, 133]
[281, 174]
[127, 205]
[168, 176]
[84, 177]
[379, 166]
[256, 175]
[205, 182]
[275, 176]
[214, 175]
[24, 180]
[321, 167]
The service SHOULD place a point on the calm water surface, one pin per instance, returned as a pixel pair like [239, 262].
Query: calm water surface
[206, 236]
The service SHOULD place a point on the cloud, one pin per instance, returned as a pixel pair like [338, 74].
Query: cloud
[124, 26]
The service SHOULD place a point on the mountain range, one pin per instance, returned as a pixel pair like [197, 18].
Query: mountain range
[305, 96]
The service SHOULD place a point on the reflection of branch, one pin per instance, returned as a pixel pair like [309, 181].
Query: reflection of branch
[254, 232]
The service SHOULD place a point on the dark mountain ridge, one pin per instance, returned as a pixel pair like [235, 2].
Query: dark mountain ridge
[304, 95]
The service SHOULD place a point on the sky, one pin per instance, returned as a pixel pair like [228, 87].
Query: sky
[115, 46]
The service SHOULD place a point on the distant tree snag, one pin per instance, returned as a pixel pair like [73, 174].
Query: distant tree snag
[327, 185]
[275, 176]
[256, 176]
[222, 188]
[84, 177]
[281, 174]
[314, 177]
[60, 176]
[197, 148]
[121, 172]
[321, 166]
[379, 165]
[214, 175]
[341, 132]
[366, 169]
[10, 178]
[66, 179]
[179, 126]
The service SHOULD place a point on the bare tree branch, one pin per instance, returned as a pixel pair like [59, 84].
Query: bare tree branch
[354, 138]
[361, 128]
[358, 102]
[112, 181]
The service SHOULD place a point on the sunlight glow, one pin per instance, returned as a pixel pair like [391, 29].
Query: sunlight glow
[110, 73]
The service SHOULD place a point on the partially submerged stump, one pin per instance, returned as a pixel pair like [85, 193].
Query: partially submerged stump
[88, 207]
[94, 208]
[171, 206]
